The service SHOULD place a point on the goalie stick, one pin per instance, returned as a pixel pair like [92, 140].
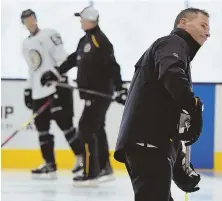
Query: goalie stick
[24, 125]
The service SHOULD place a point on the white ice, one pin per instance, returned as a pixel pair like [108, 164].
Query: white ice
[19, 186]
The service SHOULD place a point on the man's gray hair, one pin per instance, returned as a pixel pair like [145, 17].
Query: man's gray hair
[189, 11]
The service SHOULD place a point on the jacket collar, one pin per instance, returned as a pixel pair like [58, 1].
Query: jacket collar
[93, 30]
[193, 45]
[35, 32]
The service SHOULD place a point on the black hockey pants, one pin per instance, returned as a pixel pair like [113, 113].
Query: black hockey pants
[64, 119]
[93, 135]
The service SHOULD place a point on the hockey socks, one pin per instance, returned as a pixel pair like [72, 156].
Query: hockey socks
[47, 147]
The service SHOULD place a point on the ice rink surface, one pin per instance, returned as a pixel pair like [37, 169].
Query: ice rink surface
[19, 186]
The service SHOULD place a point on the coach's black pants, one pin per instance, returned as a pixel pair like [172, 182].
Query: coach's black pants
[150, 171]
[92, 132]
[64, 119]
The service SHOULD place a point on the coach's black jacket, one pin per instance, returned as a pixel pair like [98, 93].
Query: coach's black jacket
[160, 88]
[97, 67]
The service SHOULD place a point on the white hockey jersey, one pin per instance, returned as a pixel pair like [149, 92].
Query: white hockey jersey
[43, 51]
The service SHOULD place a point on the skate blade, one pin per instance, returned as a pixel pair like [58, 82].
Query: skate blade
[43, 176]
[106, 178]
[89, 183]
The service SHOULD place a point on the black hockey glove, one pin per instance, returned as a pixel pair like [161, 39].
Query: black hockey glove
[47, 77]
[185, 178]
[28, 98]
[121, 95]
[192, 133]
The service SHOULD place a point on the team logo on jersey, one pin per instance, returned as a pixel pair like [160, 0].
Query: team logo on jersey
[88, 103]
[175, 54]
[56, 39]
[87, 47]
[35, 59]
[78, 57]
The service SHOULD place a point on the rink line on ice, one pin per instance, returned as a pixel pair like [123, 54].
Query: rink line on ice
[29, 158]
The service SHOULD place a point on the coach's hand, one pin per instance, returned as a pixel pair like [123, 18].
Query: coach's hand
[185, 178]
[47, 77]
[192, 133]
[121, 95]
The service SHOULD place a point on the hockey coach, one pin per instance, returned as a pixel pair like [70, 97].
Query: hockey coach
[149, 142]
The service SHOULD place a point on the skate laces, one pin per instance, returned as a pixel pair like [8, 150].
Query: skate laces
[79, 161]
[46, 166]
[42, 166]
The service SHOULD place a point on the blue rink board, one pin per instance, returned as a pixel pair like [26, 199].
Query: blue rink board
[202, 152]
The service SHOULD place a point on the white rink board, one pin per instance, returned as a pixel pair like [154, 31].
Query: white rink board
[12, 99]
[218, 119]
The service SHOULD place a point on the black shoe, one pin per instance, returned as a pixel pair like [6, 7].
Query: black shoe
[85, 181]
[78, 168]
[106, 174]
[45, 171]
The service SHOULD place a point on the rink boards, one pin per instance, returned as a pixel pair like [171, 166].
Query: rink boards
[23, 151]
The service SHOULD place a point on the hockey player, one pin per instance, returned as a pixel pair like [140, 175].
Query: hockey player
[43, 50]
[98, 71]
[149, 140]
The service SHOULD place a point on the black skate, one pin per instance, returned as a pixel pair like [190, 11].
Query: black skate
[78, 168]
[85, 181]
[106, 174]
[45, 171]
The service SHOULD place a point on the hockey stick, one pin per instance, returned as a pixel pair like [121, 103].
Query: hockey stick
[59, 84]
[187, 165]
[24, 125]
[187, 156]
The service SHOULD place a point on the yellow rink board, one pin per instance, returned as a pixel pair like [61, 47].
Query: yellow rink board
[218, 161]
[25, 158]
